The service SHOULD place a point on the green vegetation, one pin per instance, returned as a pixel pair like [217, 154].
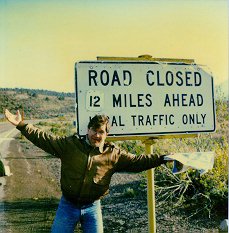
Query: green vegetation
[57, 128]
[129, 192]
[37, 103]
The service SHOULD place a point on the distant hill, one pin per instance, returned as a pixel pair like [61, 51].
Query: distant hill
[39, 92]
[37, 103]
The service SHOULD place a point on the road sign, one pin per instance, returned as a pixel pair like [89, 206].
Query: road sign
[145, 98]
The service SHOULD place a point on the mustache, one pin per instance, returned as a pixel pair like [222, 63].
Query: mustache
[96, 139]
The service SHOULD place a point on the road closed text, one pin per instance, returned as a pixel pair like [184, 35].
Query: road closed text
[152, 78]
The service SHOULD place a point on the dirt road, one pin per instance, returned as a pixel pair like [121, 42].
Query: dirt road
[6, 135]
[30, 195]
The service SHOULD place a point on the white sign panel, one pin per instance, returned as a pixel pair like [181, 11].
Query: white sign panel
[145, 98]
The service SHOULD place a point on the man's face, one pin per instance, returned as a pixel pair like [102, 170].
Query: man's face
[97, 136]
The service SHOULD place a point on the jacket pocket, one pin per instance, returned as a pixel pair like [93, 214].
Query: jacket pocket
[100, 187]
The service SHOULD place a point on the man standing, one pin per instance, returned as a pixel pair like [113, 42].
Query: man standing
[87, 165]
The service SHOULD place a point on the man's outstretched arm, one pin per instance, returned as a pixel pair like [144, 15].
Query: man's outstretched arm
[47, 142]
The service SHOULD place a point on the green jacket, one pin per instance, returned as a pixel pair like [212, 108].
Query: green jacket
[85, 171]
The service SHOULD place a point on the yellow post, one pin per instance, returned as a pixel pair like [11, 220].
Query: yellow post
[150, 192]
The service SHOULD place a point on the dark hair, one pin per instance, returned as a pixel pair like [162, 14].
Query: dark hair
[99, 120]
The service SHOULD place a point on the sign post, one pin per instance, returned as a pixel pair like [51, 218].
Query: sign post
[145, 98]
[150, 191]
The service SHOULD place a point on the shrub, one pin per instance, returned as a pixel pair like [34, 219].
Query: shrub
[129, 192]
[206, 194]
[61, 97]
[134, 147]
[57, 128]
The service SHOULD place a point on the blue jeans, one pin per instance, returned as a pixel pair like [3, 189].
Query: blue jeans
[68, 215]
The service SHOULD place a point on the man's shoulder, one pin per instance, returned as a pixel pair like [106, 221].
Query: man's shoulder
[74, 141]
[76, 137]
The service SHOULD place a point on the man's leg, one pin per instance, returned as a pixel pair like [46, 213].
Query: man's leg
[91, 218]
[67, 216]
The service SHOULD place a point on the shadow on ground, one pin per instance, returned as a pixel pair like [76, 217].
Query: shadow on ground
[27, 215]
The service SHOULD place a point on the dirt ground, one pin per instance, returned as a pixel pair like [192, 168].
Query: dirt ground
[33, 191]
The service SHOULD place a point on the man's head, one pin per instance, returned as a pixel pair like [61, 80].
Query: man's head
[98, 129]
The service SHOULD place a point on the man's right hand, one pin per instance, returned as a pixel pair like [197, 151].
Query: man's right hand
[13, 119]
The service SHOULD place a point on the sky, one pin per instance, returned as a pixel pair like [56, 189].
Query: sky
[41, 40]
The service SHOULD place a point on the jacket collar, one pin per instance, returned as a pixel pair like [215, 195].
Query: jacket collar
[100, 148]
